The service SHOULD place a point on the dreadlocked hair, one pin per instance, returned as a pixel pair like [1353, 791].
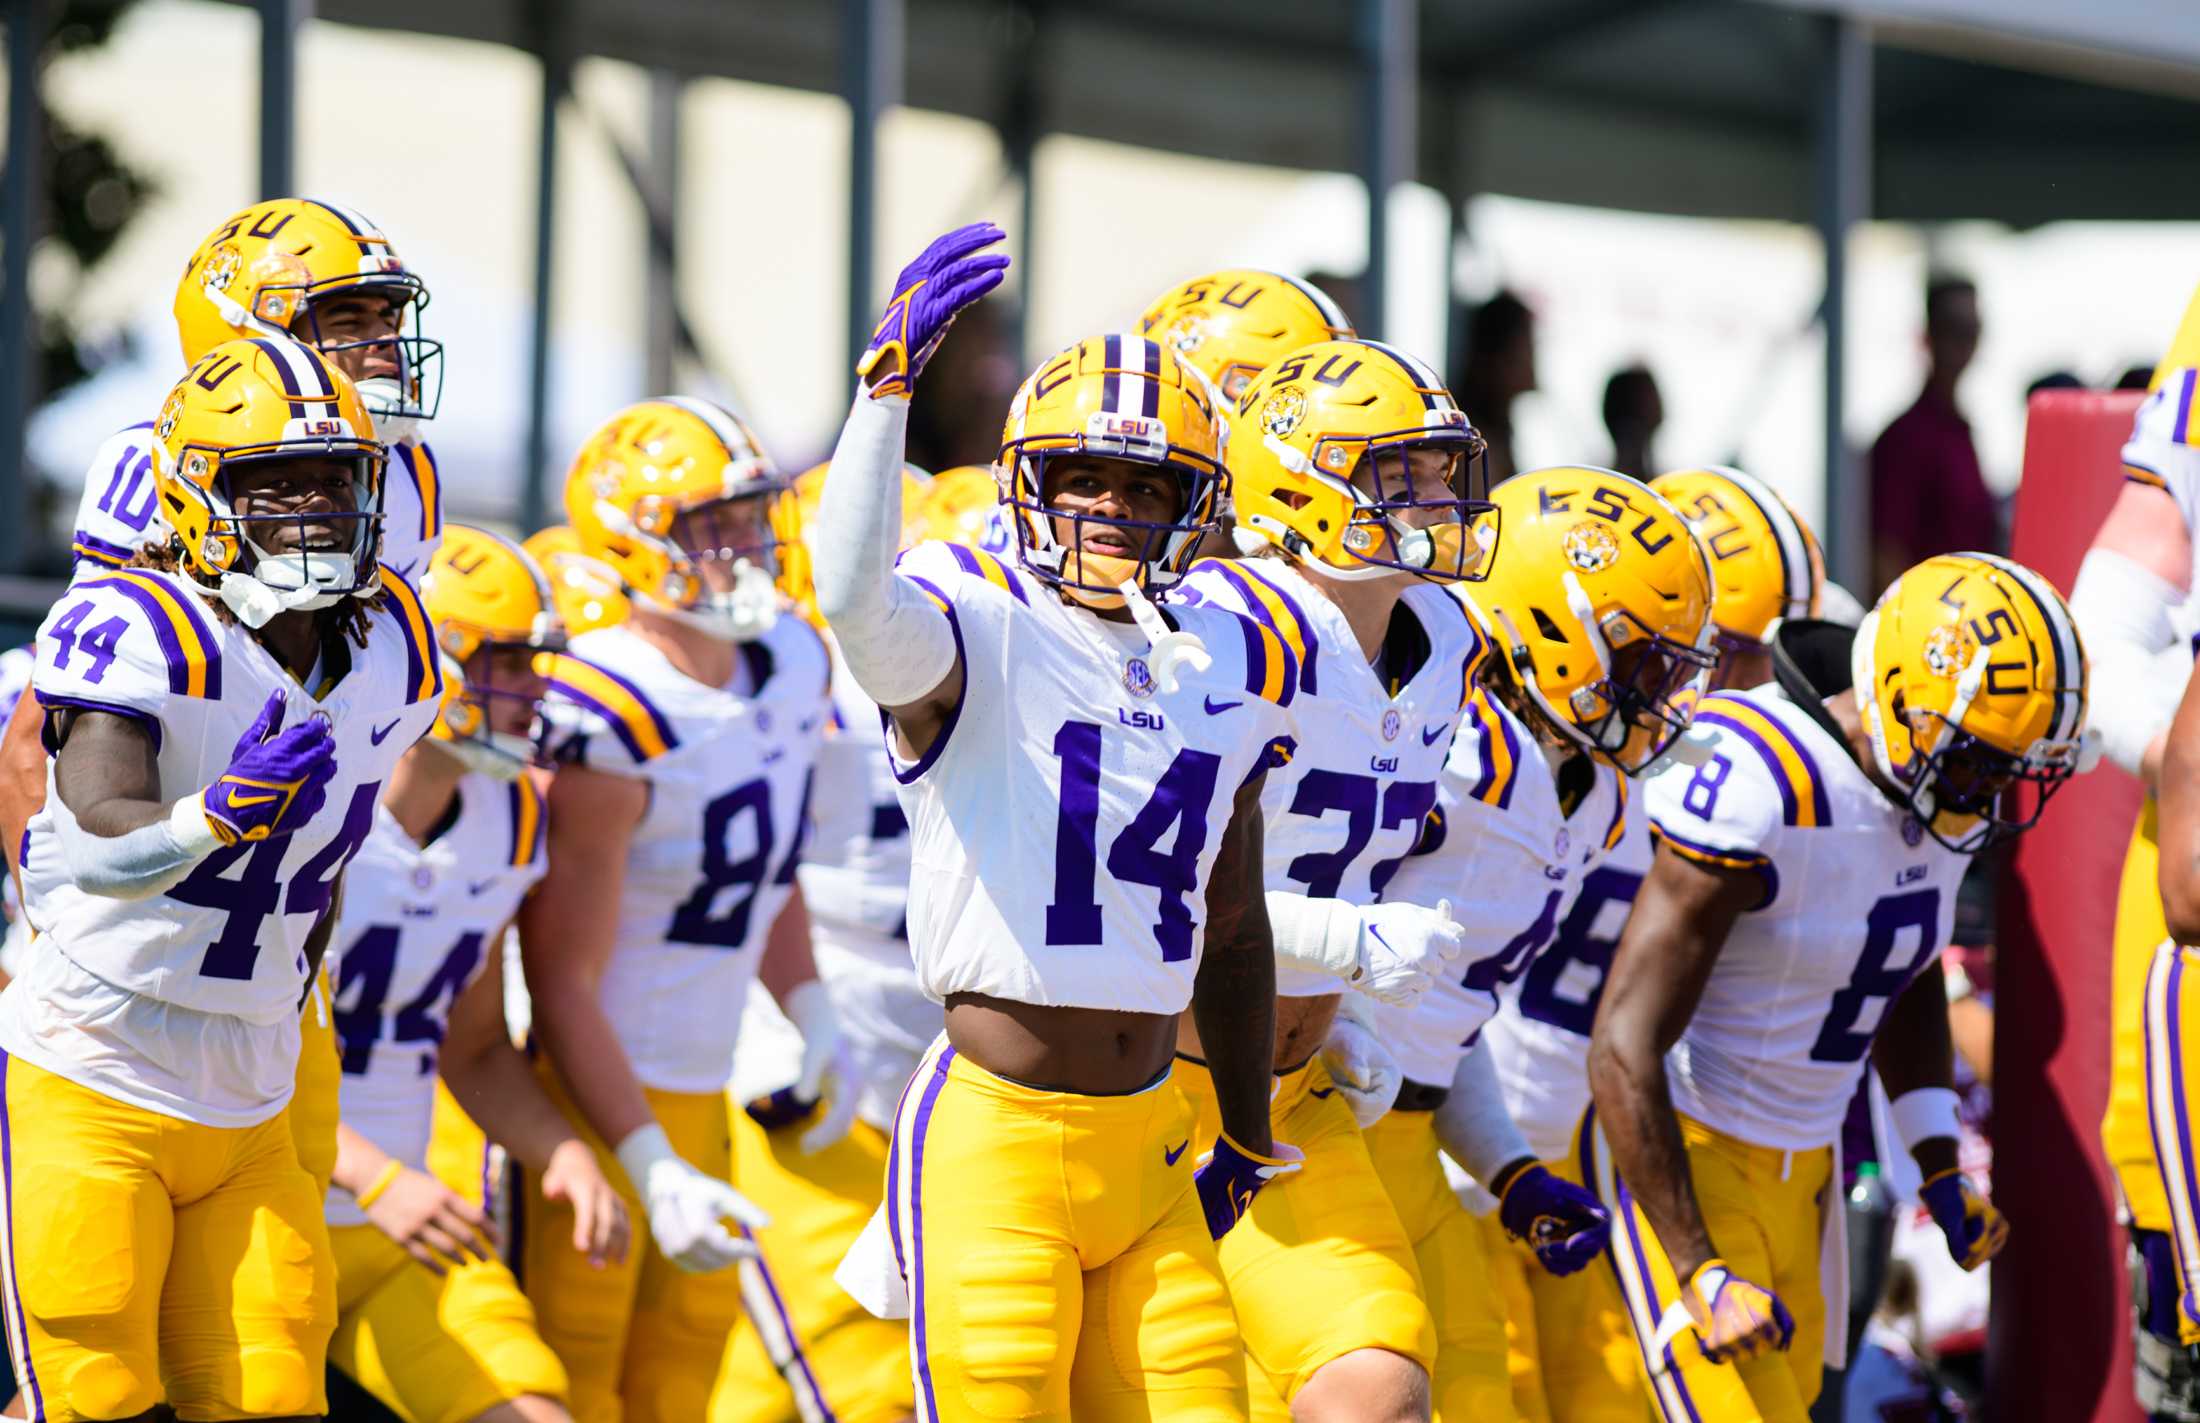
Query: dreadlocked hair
[348, 616]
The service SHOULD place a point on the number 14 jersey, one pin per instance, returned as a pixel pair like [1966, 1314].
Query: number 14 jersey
[1064, 822]
[1855, 900]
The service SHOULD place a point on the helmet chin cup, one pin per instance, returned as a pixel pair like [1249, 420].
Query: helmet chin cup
[743, 615]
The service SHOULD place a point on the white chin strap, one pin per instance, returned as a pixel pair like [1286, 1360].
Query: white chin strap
[500, 755]
[290, 583]
[743, 615]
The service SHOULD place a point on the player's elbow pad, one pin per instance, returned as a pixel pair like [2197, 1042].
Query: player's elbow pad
[1319, 934]
[2139, 666]
[1473, 1123]
[140, 864]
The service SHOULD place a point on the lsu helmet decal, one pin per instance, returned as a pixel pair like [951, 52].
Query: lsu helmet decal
[1232, 325]
[1766, 563]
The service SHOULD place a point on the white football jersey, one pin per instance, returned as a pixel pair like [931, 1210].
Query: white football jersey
[713, 860]
[1539, 1040]
[216, 966]
[1342, 815]
[420, 923]
[855, 880]
[1857, 898]
[1064, 823]
[119, 512]
[1511, 862]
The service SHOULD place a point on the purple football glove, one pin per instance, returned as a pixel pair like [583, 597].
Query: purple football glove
[277, 780]
[1563, 1224]
[946, 277]
[1975, 1230]
[1229, 1177]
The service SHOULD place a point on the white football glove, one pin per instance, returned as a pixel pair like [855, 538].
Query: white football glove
[687, 1207]
[1390, 952]
[1363, 1069]
[833, 1070]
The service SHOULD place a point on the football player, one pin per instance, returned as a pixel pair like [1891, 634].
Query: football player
[1573, 1356]
[1362, 480]
[164, 1241]
[1809, 852]
[456, 844]
[804, 1348]
[1599, 608]
[2133, 602]
[1081, 772]
[685, 737]
[1230, 326]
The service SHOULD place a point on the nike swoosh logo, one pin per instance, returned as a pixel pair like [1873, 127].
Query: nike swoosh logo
[1215, 708]
[405, 570]
[377, 737]
[480, 886]
[1169, 1157]
[1430, 735]
[1321, 1091]
[246, 802]
[1377, 935]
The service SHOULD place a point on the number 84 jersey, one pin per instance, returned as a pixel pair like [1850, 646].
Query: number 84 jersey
[227, 942]
[1854, 900]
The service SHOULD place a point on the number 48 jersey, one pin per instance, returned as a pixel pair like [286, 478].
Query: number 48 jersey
[713, 860]
[1855, 900]
[1064, 822]
[420, 924]
[228, 941]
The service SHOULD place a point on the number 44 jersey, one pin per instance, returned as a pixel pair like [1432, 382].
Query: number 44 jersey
[713, 860]
[1064, 821]
[187, 1002]
[1855, 899]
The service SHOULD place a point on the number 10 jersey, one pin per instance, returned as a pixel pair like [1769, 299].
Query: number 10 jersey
[1855, 900]
[1064, 821]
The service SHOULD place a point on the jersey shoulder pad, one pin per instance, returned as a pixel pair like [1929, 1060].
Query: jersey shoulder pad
[1255, 588]
[106, 535]
[1487, 754]
[127, 641]
[950, 571]
[403, 620]
[1455, 632]
[419, 461]
[2164, 448]
[1247, 652]
[602, 717]
[1748, 777]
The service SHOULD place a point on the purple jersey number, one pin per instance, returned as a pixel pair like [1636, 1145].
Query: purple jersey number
[257, 889]
[1179, 803]
[71, 638]
[693, 922]
[366, 968]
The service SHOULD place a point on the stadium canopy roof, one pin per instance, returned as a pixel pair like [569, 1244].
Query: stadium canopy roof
[2022, 111]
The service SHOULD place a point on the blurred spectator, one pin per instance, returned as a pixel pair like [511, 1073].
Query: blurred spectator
[2053, 380]
[2135, 378]
[1928, 496]
[968, 385]
[1633, 411]
[1496, 366]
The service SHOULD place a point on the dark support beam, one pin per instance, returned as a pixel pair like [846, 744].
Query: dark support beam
[1844, 184]
[557, 79]
[22, 203]
[279, 23]
[660, 197]
[872, 65]
[1019, 131]
[1390, 105]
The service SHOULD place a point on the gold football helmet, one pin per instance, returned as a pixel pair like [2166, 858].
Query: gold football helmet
[1765, 561]
[259, 274]
[963, 506]
[1971, 679]
[1230, 326]
[496, 621]
[1600, 601]
[1116, 397]
[677, 497]
[250, 403]
[587, 591]
[1351, 456]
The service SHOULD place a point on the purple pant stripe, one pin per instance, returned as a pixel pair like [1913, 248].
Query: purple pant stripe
[916, 1230]
[1623, 1214]
[15, 1298]
[786, 1323]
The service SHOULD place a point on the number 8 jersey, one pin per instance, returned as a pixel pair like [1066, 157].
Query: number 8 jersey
[227, 943]
[713, 860]
[1855, 900]
[1064, 822]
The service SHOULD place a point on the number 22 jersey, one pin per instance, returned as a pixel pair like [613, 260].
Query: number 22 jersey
[713, 860]
[1855, 900]
[187, 1002]
[1064, 821]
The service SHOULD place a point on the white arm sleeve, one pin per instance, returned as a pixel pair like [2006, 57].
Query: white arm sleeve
[1473, 1125]
[895, 640]
[2138, 664]
[141, 864]
[1319, 934]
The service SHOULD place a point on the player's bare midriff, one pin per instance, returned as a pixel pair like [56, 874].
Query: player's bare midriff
[1092, 1051]
[1302, 1024]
